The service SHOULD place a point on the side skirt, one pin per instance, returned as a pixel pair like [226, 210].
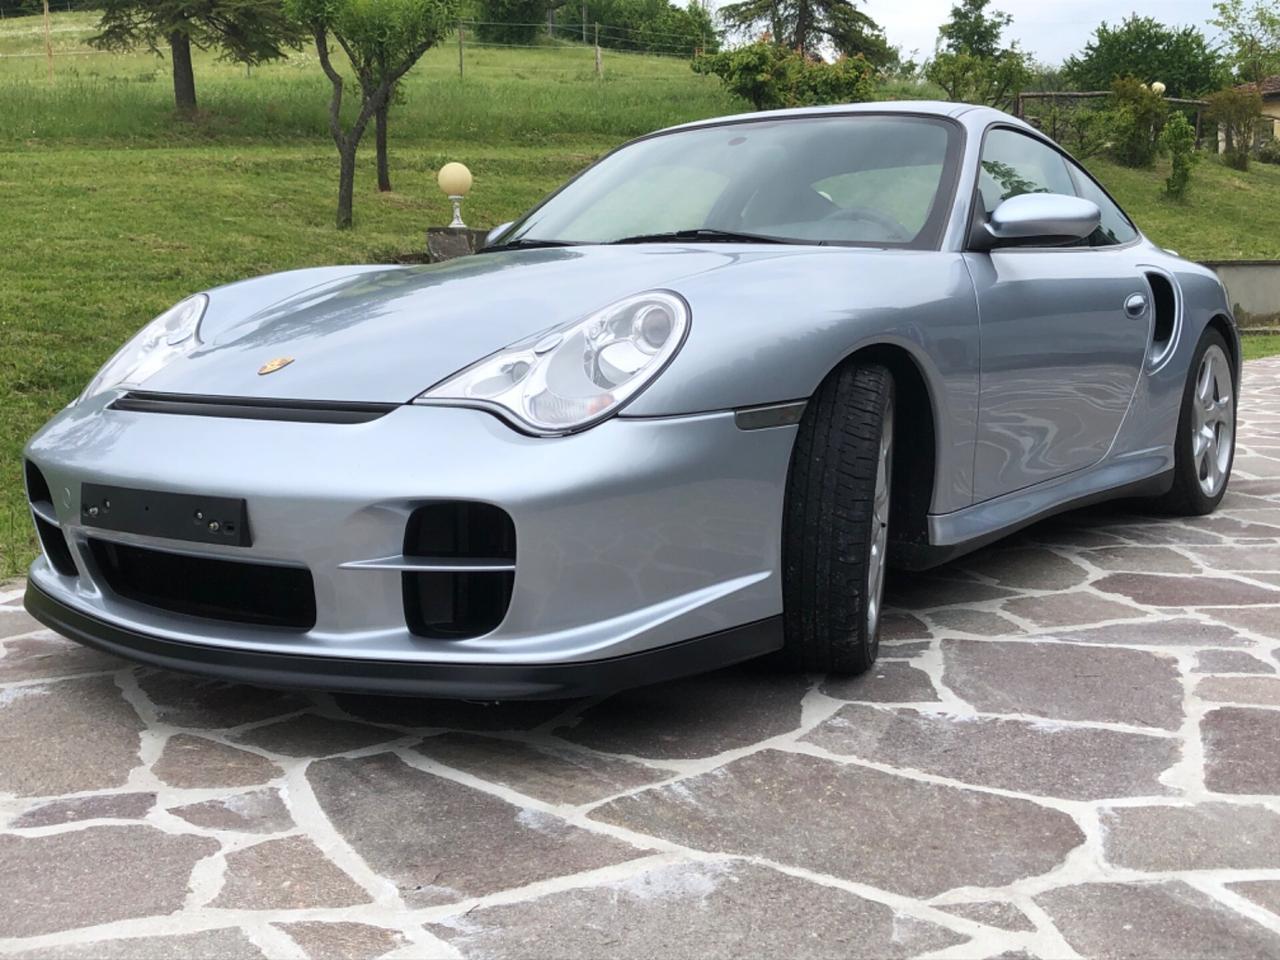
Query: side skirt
[953, 535]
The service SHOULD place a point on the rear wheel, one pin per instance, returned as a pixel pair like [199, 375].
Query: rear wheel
[1205, 445]
[836, 525]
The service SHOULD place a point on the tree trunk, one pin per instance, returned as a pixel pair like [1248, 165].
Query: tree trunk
[801, 39]
[380, 132]
[184, 79]
[346, 182]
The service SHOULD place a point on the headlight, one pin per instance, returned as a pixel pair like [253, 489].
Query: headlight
[576, 374]
[167, 337]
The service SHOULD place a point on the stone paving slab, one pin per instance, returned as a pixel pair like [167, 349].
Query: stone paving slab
[1070, 748]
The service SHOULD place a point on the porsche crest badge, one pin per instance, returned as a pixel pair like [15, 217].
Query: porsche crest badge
[271, 366]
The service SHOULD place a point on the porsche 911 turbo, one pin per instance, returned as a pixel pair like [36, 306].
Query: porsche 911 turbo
[683, 413]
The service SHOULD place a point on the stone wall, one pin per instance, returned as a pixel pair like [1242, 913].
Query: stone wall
[1253, 287]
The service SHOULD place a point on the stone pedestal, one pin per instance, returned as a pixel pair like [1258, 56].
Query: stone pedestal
[447, 243]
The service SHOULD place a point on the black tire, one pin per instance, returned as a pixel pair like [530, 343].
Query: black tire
[1188, 497]
[830, 527]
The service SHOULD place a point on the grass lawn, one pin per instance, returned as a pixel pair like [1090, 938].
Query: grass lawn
[1258, 345]
[113, 208]
[1227, 215]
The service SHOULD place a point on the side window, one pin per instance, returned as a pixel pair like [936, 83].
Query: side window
[1115, 227]
[1013, 163]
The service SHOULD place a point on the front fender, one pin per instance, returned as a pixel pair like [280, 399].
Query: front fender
[772, 330]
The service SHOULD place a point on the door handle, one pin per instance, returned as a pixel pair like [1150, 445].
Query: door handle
[1136, 305]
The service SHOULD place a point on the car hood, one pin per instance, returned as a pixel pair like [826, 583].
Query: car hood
[387, 334]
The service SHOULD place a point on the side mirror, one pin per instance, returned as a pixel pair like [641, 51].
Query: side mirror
[492, 236]
[1037, 219]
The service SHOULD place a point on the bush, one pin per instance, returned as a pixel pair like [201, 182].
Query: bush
[656, 26]
[1134, 122]
[1269, 152]
[1083, 130]
[1179, 139]
[772, 76]
[1237, 113]
[510, 21]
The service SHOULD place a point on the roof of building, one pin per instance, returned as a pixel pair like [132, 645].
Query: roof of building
[1268, 86]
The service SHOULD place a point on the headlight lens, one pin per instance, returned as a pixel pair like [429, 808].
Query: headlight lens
[167, 337]
[574, 375]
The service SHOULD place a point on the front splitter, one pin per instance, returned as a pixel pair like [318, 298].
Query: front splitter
[461, 681]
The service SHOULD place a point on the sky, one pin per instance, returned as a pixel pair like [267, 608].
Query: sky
[1050, 30]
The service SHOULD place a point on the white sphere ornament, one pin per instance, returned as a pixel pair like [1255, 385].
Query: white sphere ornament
[1158, 88]
[455, 180]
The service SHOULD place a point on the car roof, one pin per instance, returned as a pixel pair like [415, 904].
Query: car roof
[971, 115]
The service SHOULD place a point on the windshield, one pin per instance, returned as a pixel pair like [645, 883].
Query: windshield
[859, 179]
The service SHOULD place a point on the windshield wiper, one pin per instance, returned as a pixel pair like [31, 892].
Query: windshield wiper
[528, 243]
[706, 235]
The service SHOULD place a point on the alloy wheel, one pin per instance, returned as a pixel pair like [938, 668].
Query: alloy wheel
[1213, 423]
[878, 559]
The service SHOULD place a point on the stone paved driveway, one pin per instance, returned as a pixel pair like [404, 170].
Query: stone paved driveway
[1070, 748]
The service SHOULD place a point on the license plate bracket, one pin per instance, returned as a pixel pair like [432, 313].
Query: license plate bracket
[174, 516]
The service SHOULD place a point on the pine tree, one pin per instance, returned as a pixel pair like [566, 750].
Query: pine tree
[247, 31]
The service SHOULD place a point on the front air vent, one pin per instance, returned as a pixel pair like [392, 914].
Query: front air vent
[259, 594]
[37, 486]
[52, 540]
[1164, 303]
[458, 603]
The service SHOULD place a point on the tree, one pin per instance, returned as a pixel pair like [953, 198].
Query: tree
[1253, 37]
[1237, 112]
[247, 31]
[971, 65]
[809, 25]
[382, 40]
[995, 81]
[1142, 47]
[772, 76]
[973, 31]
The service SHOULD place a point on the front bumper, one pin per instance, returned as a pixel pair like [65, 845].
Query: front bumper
[633, 539]
[464, 681]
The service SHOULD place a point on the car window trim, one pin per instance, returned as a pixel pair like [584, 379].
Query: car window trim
[944, 200]
[1034, 134]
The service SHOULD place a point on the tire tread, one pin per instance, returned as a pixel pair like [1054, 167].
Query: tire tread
[827, 521]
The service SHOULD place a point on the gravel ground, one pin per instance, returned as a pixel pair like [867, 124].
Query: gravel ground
[1071, 747]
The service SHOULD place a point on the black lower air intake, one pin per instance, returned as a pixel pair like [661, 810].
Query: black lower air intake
[456, 604]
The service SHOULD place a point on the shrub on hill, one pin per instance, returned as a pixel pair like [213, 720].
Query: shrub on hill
[1135, 118]
[1178, 139]
[652, 26]
[772, 76]
[510, 21]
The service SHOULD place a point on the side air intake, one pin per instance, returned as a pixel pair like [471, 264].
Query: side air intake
[474, 547]
[52, 540]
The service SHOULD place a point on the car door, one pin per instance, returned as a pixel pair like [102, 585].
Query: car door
[1064, 330]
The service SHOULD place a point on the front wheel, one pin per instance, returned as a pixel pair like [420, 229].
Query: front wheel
[836, 524]
[1205, 445]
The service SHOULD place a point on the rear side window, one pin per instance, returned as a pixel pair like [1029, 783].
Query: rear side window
[1114, 227]
[1013, 164]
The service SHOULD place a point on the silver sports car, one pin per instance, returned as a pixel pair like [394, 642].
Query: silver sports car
[682, 413]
